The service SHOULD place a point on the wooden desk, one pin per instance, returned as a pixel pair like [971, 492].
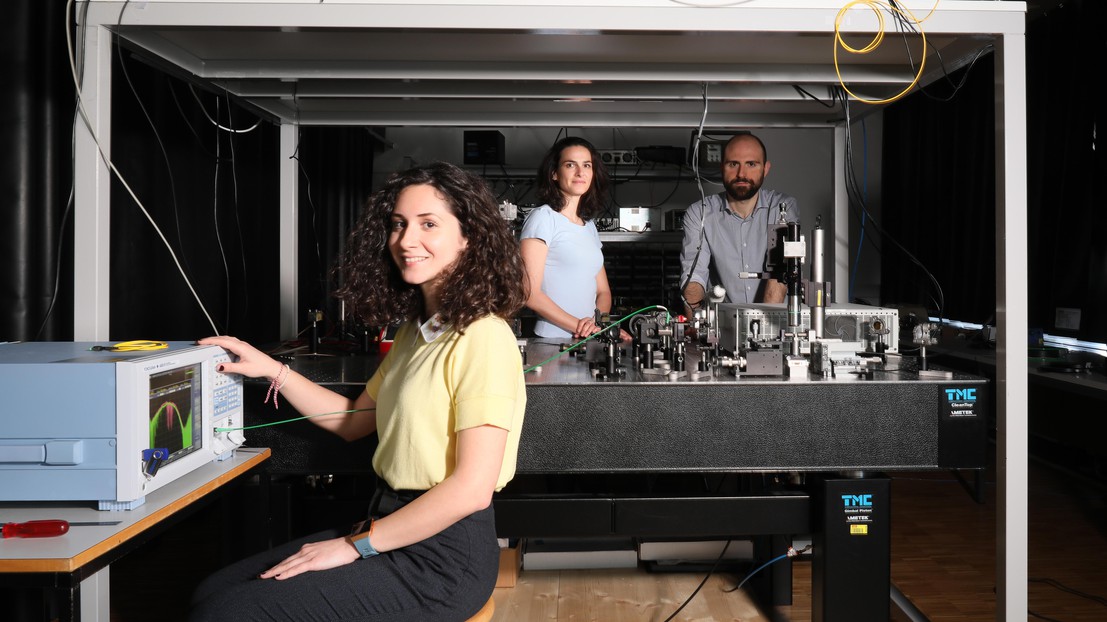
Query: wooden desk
[77, 563]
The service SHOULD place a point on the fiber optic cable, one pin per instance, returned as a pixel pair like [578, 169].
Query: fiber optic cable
[593, 336]
[874, 43]
[300, 418]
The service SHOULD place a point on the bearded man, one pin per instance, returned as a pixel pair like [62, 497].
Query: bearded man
[726, 236]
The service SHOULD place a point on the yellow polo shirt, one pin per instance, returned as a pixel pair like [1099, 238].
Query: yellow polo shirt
[435, 382]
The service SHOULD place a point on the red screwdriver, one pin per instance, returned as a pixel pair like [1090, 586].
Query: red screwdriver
[35, 529]
[45, 528]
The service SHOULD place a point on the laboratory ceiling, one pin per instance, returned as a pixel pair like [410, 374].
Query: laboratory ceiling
[641, 70]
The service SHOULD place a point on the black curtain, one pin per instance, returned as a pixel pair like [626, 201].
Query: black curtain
[1066, 52]
[35, 132]
[205, 170]
[216, 197]
[336, 176]
[939, 196]
[212, 193]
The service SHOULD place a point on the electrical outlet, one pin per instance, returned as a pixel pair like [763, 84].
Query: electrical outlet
[615, 157]
[711, 152]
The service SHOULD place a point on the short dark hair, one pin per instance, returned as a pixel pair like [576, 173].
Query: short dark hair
[593, 202]
[764, 151]
[488, 277]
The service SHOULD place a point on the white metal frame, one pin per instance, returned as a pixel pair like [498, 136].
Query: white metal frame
[964, 24]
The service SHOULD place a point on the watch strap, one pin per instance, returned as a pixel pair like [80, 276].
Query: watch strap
[364, 547]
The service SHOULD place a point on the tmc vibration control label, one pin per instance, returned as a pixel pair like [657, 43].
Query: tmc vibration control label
[960, 402]
[858, 512]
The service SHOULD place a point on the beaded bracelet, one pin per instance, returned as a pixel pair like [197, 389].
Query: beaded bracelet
[276, 384]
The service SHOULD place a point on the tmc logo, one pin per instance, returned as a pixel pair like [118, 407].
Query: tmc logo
[961, 395]
[857, 501]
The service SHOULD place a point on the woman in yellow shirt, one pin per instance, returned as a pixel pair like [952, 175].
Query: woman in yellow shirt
[447, 404]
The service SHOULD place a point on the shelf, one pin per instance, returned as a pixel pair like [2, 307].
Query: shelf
[642, 237]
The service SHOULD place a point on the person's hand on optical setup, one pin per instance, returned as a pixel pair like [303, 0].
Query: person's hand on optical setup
[586, 327]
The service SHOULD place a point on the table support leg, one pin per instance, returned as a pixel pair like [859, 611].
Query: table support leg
[851, 564]
[93, 597]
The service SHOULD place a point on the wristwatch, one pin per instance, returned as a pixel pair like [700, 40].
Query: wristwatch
[363, 545]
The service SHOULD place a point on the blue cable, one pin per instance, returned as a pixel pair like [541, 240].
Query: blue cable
[865, 200]
[760, 568]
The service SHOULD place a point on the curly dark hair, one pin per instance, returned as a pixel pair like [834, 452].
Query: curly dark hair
[593, 202]
[487, 278]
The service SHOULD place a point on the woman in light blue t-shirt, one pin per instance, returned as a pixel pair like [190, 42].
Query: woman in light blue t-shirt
[560, 244]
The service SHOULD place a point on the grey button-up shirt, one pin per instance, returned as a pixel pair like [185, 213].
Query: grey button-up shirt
[730, 244]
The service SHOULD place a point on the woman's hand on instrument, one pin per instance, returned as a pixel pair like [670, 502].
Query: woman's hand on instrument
[585, 326]
[252, 363]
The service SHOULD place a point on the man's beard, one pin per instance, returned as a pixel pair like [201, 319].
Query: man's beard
[737, 194]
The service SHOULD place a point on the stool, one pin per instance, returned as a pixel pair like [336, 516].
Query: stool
[485, 613]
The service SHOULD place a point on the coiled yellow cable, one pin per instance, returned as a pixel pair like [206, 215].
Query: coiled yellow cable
[878, 38]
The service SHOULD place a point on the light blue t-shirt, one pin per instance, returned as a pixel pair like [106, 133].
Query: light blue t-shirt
[573, 259]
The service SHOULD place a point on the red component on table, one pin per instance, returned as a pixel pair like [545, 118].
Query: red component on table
[35, 529]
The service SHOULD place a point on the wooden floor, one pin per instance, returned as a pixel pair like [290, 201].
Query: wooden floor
[943, 561]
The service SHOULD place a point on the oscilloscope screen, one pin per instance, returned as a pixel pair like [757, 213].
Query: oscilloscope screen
[176, 400]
